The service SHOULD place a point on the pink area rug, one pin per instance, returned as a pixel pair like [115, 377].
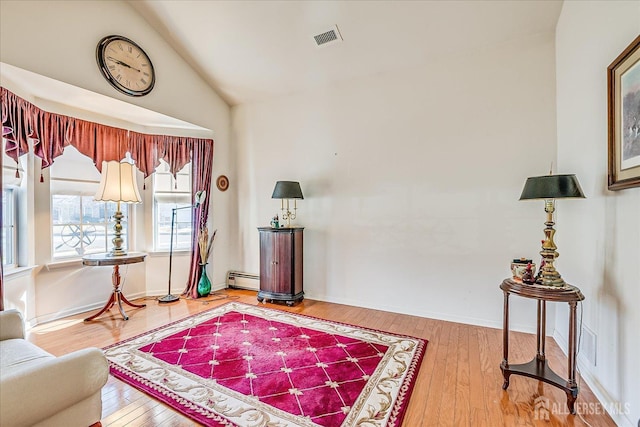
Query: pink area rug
[245, 365]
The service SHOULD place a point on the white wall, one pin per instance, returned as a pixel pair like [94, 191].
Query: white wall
[599, 237]
[411, 180]
[57, 39]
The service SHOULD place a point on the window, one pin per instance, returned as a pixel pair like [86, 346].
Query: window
[81, 225]
[9, 229]
[12, 198]
[170, 193]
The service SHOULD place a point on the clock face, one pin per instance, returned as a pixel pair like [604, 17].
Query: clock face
[125, 65]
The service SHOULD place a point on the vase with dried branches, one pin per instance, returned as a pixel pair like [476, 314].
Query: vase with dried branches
[206, 244]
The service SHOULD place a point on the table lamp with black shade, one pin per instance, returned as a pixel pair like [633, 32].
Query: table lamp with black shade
[118, 184]
[199, 199]
[549, 188]
[287, 190]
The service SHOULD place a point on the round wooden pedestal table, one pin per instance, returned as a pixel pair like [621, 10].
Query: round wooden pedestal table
[116, 261]
[538, 368]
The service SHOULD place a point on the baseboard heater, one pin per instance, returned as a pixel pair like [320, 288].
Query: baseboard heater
[240, 280]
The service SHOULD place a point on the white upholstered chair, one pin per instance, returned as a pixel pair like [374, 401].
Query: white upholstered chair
[39, 389]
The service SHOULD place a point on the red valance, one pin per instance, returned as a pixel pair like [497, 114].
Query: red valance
[51, 133]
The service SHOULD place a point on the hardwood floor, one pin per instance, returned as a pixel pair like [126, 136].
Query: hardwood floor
[459, 382]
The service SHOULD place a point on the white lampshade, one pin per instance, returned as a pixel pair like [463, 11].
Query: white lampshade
[118, 183]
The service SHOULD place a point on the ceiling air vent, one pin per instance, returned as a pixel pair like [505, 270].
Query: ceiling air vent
[328, 37]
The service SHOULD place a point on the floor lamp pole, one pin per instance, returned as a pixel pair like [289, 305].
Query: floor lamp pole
[199, 199]
[169, 297]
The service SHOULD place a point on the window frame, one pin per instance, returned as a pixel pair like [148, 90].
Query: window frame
[10, 239]
[108, 224]
[182, 201]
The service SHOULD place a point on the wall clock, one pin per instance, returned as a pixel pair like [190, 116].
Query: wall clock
[125, 65]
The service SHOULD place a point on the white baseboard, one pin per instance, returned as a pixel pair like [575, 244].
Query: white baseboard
[516, 327]
[527, 328]
[76, 310]
[161, 292]
[584, 369]
[98, 305]
[220, 286]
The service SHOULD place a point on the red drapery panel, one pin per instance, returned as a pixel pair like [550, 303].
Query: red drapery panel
[200, 181]
[51, 133]
[15, 123]
[146, 151]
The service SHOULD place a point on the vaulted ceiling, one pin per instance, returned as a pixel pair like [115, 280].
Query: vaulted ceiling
[253, 50]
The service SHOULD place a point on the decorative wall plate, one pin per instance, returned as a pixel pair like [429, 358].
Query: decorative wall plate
[222, 183]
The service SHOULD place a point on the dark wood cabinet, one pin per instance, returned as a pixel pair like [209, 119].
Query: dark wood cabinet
[281, 264]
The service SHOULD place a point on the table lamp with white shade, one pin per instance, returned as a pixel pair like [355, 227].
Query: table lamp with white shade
[118, 184]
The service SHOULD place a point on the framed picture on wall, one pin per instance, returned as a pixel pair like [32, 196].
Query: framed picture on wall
[623, 105]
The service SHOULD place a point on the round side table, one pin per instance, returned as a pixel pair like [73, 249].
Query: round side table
[116, 261]
[538, 368]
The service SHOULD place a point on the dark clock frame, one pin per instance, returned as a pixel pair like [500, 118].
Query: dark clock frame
[100, 53]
